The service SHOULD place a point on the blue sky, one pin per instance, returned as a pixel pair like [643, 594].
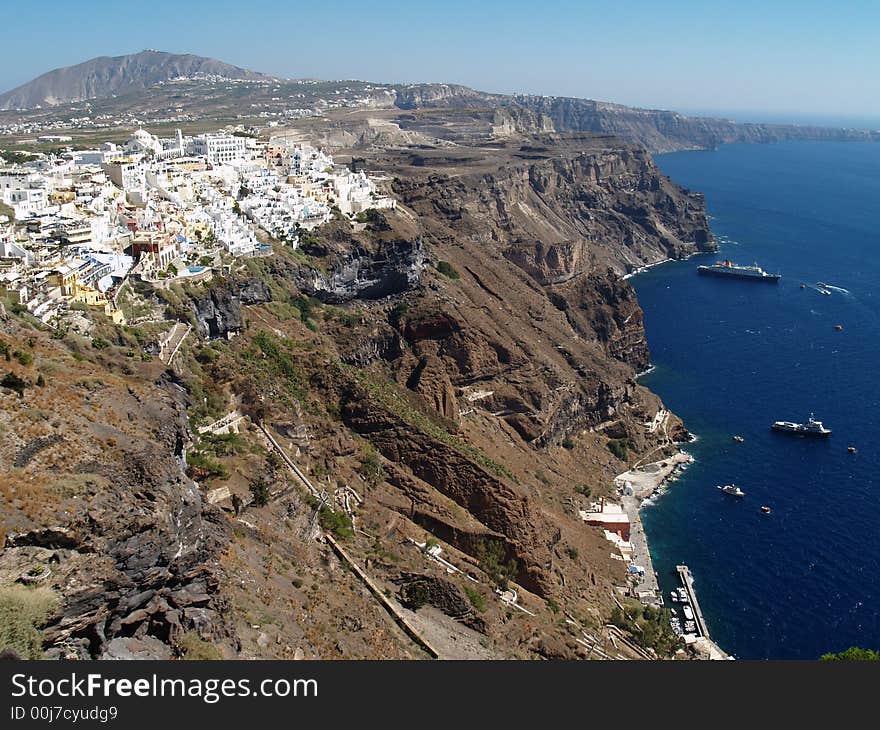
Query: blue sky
[776, 57]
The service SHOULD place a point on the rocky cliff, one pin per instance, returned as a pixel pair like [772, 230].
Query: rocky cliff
[450, 373]
[656, 129]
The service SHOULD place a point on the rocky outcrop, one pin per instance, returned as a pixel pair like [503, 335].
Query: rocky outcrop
[134, 549]
[566, 214]
[526, 535]
[218, 310]
[603, 306]
[361, 273]
[431, 381]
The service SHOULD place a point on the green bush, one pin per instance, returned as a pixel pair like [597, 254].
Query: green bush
[335, 522]
[260, 492]
[199, 466]
[447, 269]
[13, 382]
[477, 599]
[24, 358]
[22, 612]
[492, 556]
[853, 654]
[619, 447]
[648, 625]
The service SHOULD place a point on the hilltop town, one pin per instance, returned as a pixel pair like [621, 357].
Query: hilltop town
[80, 226]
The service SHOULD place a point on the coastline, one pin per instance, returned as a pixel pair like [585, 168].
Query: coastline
[636, 488]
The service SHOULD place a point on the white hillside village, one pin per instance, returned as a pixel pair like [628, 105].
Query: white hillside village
[76, 228]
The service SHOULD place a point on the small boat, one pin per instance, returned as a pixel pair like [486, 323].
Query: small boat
[674, 597]
[838, 327]
[733, 490]
[803, 286]
[765, 509]
[851, 449]
[825, 292]
[738, 439]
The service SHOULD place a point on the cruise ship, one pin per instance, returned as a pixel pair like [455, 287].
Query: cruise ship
[810, 428]
[728, 268]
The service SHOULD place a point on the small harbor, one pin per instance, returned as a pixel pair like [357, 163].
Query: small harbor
[690, 607]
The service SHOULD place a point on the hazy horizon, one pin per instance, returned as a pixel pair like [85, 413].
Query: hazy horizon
[780, 61]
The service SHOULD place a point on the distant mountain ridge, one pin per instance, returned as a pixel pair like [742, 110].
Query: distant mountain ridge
[108, 76]
[658, 130]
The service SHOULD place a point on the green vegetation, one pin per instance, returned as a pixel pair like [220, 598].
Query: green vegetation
[371, 468]
[13, 382]
[259, 492]
[99, 343]
[853, 654]
[477, 599]
[448, 270]
[374, 219]
[401, 405]
[22, 612]
[648, 625]
[620, 448]
[568, 443]
[197, 649]
[223, 444]
[200, 467]
[335, 522]
[24, 358]
[584, 489]
[398, 314]
[492, 556]
[280, 362]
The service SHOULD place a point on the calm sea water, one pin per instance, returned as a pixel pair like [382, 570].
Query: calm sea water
[733, 356]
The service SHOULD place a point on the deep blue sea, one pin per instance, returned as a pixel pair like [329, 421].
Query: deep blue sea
[733, 356]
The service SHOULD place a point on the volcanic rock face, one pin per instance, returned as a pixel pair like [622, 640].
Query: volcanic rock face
[508, 514]
[132, 546]
[562, 216]
[362, 274]
[218, 312]
[431, 381]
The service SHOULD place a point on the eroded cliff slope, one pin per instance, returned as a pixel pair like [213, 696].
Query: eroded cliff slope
[445, 376]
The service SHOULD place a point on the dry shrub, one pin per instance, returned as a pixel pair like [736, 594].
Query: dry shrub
[22, 612]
